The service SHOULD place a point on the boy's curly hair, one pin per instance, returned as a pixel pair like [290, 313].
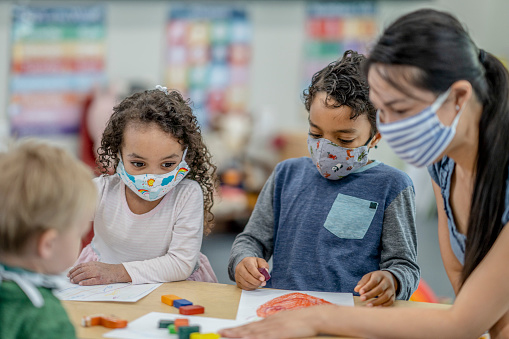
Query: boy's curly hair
[172, 113]
[344, 82]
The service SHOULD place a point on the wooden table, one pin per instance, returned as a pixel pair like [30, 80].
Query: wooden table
[219, 300]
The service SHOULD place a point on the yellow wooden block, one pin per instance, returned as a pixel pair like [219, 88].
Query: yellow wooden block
[168, 299]
[204, 336]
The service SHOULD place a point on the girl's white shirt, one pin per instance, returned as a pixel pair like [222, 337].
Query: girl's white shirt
[159, 246]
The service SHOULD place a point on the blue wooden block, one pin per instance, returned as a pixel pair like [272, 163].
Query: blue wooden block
[181, 302]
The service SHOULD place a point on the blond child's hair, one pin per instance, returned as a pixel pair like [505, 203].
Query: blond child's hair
[41, 187]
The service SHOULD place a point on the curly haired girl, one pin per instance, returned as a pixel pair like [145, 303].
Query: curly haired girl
[152, 231]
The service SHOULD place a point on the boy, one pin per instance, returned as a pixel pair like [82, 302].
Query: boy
[337, 222]
[47, 200]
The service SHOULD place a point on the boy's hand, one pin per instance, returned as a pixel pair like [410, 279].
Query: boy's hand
[380, 284]
[98, 273]
[247, 275]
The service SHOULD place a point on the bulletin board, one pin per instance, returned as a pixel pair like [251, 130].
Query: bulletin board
[208, 49]
[333, 28]
[57, 55]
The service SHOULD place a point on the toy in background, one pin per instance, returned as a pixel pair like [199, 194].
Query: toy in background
[241, 145]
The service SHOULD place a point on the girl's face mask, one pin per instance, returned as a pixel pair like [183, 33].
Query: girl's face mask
[420, 139]
[335, 162]
[152, 187]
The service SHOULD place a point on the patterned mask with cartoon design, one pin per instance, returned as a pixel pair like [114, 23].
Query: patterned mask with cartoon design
[152, 187]
[333, 161]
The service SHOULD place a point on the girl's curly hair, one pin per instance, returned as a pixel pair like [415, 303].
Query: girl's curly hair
[172, 113]
[344, 82]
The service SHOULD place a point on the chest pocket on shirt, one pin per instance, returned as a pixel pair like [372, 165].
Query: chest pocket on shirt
[350, 217]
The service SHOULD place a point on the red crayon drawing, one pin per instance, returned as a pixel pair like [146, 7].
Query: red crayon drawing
[289, 301]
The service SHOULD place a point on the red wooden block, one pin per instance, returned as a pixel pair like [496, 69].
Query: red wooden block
[191, 309]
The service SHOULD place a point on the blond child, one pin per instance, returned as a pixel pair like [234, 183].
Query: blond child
[46, 201]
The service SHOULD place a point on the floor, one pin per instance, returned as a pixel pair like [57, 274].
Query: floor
[217, 248]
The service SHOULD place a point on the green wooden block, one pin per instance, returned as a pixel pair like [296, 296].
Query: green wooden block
[165, 323]
[172, 329]
[185, 331]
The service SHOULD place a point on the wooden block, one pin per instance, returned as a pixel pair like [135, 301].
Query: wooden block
[113, 322]
[204, 336]
[102, 320]
[91, 320]
[165, 323]
[191, 309]
[181, 302]
[172, 329]
[185, 331]
[169, 298]
[181, 322]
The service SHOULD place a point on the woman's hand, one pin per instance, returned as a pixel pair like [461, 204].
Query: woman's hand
[286, 324]
[379, 284]
[98, 273]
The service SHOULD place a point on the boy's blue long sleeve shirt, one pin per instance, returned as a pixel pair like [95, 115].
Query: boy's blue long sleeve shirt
[325, 235]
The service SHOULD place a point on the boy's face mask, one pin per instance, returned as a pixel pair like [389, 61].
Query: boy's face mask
[152, 187]
[335, 162]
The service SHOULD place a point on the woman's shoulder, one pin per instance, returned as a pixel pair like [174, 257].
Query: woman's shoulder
[440, 170]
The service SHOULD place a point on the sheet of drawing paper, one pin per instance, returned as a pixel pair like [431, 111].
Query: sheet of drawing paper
[250, 301]
[122, 292]
[146, 327]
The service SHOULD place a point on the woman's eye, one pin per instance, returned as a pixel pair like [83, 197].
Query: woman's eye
[137, 164]
[316, 136]
[168, 164]
[346, 141]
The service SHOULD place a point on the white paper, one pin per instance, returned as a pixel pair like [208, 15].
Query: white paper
[251, 300]
[123, 292]
[147, 326]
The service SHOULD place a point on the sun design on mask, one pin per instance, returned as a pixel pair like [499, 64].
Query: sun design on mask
[150, 182]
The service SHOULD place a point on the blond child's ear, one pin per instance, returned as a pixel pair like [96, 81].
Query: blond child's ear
[46, 243]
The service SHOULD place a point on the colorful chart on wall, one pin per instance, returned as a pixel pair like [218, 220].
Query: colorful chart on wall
[333, 28]
[260, 303]
[207, 57]
[57, 55]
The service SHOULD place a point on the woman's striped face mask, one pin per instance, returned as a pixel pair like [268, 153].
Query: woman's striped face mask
[420, 139]
[152, 187]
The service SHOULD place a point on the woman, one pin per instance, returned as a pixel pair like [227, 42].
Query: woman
[442, 103]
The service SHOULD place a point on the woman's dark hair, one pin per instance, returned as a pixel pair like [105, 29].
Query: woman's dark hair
[440, 48]
[343, 81]
[174, 116]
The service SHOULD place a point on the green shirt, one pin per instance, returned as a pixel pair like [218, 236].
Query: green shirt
[20, 319]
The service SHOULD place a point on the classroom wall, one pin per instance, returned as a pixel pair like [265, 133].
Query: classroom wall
[135, 43]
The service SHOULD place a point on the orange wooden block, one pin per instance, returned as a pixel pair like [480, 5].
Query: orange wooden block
[102, 320]
[181, 322]
[113, 322]
[91, 320]
[168, 299]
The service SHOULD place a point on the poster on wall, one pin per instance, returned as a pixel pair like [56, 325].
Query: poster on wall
[208, 49]
[333, 28]
[57, 55]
